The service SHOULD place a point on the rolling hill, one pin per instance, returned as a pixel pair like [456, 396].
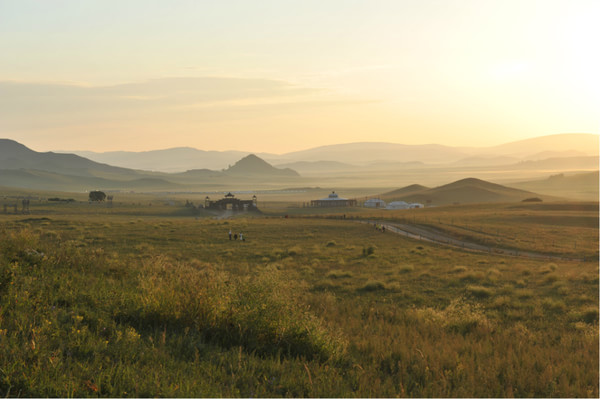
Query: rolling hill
[463, 191]
[406, 191]
[364, 153]
[252, 165]
[14, 155]
[25, 168]
[46, 180]
[347, 157]
[581, 143]
[171, 160]
[579, 186]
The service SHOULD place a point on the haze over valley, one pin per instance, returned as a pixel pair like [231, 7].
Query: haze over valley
[320, 199]
[561, 166]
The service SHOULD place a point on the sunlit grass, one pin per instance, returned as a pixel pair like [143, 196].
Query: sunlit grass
[115, 305]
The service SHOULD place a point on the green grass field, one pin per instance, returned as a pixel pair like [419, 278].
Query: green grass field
[151, 299]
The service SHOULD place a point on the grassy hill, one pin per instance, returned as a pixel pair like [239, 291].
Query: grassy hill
[25, 168]
[581, 186]
[468, 190]
[252, 165]
[405, 191]
[14, 155]
[45, 180]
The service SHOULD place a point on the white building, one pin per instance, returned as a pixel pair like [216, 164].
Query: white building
[403, 205]
[374, 203]
[398, 205]
[333, 200]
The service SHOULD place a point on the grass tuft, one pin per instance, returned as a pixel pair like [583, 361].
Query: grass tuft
[373, 285]
[479, 292]
[335, 274]
[406, 268]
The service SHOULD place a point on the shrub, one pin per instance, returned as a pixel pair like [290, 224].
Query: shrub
[502, 302]
[525, 294]
[493, 274]
[554, 305]
[331, 244]
[406, 268]
[458, 317]
[590, 315]
[479, 292]
[339, 274]
[373, 285]
[368, 251]
[294, 251]
[458, 269]
[264, 317]
[473, 276]
[6, 277]
[259, 313]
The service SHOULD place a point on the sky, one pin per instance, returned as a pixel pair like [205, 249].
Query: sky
[280, 75]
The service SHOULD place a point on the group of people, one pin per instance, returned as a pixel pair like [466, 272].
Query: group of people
[235, 236]
[380, 227]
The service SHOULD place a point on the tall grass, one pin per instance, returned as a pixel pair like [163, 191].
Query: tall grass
[169, 307]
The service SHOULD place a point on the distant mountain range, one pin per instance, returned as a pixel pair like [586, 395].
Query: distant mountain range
[25, 168]
[345, 157]
[346, 165]
[574, 186]
[169, 160]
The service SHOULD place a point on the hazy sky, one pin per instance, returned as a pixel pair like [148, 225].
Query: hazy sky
[277, 76]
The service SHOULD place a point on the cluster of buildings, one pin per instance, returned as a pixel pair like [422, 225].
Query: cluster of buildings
[334, 200]
[380, 204]
[229, 202]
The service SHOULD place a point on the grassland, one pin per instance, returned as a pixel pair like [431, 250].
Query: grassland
[151, 299]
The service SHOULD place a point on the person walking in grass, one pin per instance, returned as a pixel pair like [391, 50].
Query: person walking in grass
[229, 234]
[241, 236]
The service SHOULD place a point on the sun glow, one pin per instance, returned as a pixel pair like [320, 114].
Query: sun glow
[278, 79]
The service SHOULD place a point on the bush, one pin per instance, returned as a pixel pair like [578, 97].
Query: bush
[373, 285]
[590, 315]
[6, 277]
[339, 274]
[479, 292]
[258, 313]
[368, 251]
[406, 268]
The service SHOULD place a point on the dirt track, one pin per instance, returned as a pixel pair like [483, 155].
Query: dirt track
[426, 233]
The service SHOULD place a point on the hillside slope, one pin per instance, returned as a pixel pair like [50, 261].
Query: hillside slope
[580, 186]
[469, 190]
[14, 155]
[252, 165]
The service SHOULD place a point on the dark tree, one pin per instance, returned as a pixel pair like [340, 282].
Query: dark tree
[97, 196]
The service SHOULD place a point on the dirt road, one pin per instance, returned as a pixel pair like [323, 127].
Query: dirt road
[426, 233]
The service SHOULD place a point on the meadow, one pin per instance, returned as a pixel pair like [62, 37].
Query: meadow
[147, 299]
